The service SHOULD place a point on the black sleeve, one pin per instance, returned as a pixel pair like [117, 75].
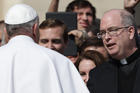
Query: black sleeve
[90, 83]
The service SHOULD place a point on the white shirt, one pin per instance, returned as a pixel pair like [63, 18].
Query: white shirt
[26, 67]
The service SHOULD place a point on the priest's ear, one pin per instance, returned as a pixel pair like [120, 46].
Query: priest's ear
[35, 30]
[132, 32]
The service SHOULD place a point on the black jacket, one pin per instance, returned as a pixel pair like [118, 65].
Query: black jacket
[104, 78]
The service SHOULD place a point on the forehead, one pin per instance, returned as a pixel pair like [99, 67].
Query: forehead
[110, 20]
[52, 32]
[85, 9]
[86, 64]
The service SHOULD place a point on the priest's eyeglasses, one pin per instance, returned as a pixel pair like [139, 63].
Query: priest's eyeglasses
[112, 31]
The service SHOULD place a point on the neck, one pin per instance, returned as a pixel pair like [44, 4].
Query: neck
[127, 54]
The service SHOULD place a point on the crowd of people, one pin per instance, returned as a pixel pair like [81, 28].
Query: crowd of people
[103, 58]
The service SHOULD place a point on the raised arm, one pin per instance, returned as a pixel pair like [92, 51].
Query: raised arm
[129, 5]
[53, 6]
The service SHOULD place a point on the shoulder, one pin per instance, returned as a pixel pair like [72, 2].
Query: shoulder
[54, 56]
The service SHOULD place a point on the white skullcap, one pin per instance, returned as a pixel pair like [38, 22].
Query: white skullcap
[19, 14]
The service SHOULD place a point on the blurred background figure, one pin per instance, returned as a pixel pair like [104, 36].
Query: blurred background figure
[87, 61]
[3, 33]
[85, 10]
[86, 13]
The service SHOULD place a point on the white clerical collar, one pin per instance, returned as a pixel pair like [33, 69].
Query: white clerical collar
[123, 61]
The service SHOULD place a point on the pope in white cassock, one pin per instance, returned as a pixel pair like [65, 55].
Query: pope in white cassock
[26, 67]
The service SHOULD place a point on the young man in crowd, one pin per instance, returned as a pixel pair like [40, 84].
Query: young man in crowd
[53, 35]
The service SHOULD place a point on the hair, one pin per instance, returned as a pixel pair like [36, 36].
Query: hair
[50, 23]
[81, 4]
[93, 55]
[129, 20]
[91, 42]
[20, 29]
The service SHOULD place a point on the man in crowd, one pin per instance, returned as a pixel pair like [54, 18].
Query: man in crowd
[86, 13]
[121, 74]
[26, 67]
[53, 35]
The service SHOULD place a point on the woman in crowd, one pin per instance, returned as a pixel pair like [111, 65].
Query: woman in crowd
[87, 61]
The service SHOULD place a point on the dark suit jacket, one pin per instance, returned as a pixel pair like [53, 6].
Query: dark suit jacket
[104, 79]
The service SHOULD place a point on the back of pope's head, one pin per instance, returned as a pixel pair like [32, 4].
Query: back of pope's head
[20, 18]
[19, 14]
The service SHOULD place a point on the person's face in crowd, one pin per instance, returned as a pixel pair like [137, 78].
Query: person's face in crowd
[84, 17]
[84, 68]
[116, 41]
[52, 38]
[100, 49]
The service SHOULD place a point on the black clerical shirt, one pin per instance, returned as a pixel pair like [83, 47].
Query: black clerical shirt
[127, 73]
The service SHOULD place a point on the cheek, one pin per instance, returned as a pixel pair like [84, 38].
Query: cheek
[79, 17]
[101, 50]
[90, 19]
[59, 46]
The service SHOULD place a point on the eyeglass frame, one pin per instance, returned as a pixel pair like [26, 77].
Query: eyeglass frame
[115, 30]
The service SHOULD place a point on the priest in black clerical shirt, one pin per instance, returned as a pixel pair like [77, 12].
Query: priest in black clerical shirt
[122, 73]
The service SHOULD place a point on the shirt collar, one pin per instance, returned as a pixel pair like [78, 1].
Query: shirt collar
[21, 38]
[129, 59]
